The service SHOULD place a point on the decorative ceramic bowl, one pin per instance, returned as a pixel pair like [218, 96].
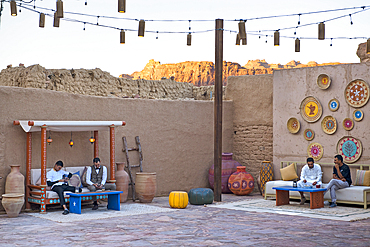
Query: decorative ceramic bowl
[308, 134]
[333, 104]
[293, 125]
[329, 125]
[356, 93]
[315, 151]
[350, 148]
[348, 124]
[311, 109]
[323, 81]
[358, 115]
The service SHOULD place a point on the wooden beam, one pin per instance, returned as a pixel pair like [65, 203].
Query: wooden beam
[218, 109]
[43, 170]
[96, 144]
[112, 154]
[28, 168]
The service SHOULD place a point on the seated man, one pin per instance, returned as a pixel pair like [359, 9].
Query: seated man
[310, 175]
[57, 179]
[341, 179]
[96, 178]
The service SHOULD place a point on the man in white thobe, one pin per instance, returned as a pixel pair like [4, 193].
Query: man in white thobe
[310, 176]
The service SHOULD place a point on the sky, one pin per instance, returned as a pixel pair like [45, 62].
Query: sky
[69, 46]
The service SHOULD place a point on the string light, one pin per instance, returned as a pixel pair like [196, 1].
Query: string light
[350, 17]
[331, 42]
[122, 37]
[56, 20]
[86, 2]
[49, 140]
[321, 31]
[42, 20]
[276, 38]
[92, 139]
[141, 28]
[121, 6]
[297, 45]
[299, 19]
[71, 141]
[188, 39]
[60, 9]
[368, 46]
[156, 36]
[13, 8]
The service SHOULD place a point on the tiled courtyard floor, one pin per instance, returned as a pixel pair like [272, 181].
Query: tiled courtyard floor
[193, 226]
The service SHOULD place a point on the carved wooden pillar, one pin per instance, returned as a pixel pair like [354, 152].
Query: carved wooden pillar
[43, 169]
[96, 144]
[28, 168]
[112, 154]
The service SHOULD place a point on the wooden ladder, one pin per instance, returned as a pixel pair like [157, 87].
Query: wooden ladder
[128, 166]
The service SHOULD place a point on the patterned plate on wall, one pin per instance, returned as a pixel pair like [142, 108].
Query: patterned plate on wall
[311, 109]
[323, 81]
[333, 104]
[315, 151]
[293, 125]
[329, 125]
[350, 148]
[348, 124]
[357, 93]
[308, 134]
[358, 115]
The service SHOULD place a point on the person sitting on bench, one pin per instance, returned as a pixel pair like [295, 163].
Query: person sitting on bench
[57, 179]
[310, 176]
[96, 178]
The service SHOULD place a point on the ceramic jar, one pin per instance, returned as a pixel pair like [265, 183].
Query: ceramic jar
[146, 186]
[241, 182]
[228, 167]
[12, 204]
[14, 181]
[122, 181]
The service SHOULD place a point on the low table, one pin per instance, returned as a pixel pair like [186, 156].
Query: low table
[75, 200]
[316, 195]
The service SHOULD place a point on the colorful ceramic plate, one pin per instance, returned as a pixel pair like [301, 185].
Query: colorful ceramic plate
[308, 134]
[350, 148]
[358, 115]
[357, 93]
[311, 109]
[315, 151]
[329, 125]
[323, 81]
[348, 124]
[293, 125]
[333, 104]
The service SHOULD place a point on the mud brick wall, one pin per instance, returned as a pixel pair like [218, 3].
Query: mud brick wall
[252, 120]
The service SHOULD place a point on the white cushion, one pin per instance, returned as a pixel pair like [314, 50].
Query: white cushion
[52, 194]
[36, 174]
[75, 169]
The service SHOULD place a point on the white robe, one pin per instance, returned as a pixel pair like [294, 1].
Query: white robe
[310, 175]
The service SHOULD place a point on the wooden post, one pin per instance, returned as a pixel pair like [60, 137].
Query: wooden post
[96, 144]
[43, 169]
[112, 154]
[218, 109]
[28, 168]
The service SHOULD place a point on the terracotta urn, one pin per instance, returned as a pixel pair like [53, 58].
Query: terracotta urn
[146, 186]
[122, 181]
[241, 182]
[12, 204]
[228, 167]
[14, 181]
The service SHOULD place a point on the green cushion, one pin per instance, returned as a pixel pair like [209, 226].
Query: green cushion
[200, 196]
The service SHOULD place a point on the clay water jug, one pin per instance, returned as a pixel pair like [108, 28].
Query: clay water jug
[14, 181]
[146, 186]
[228, 167]
[241, 182]
[122, 181]
[12, 204]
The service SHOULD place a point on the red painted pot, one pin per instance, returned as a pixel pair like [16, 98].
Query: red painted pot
[241, 182]
[228, 167]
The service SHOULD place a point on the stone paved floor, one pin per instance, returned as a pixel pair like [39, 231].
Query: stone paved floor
[193, 226]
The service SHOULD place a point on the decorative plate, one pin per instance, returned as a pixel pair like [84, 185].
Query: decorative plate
[293, 125]
[329, 125]
[350, 148]
[358, 115]
[333, 104]
[311, 109]
[315, 151]
[348, 124]
[357, 93]
[308, 134]
[323, 81]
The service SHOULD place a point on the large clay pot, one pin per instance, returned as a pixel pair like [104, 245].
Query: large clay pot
[14, 181]
[122, 181]
[12, 204]
[241, 182]
[228, 167]
[146, 186]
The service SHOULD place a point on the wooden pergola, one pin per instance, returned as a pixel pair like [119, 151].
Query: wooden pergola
[61, 126]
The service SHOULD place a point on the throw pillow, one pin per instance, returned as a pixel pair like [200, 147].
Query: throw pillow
[83, 177]
[75, 180]
[362, 178]
[288, 173]
[38, 182]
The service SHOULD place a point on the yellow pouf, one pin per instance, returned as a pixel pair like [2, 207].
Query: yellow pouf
[178, 199]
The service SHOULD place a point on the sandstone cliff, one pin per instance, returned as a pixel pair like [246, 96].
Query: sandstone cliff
[202, 73]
